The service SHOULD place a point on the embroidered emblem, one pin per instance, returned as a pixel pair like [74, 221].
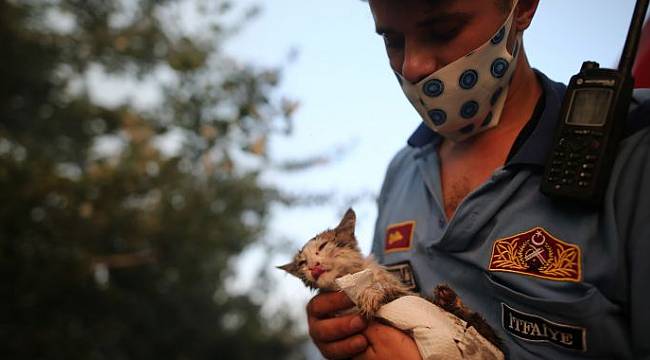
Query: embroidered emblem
[537, 253]
[535, 328]
[404, 272]
[399, 236]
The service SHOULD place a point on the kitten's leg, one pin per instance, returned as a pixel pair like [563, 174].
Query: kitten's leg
[374, 297]
[393, 287]
[449, 301]
[370, 300]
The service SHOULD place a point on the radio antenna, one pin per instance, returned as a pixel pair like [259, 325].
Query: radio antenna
[634, 34]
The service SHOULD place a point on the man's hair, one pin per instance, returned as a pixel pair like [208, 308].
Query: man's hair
[504, 5]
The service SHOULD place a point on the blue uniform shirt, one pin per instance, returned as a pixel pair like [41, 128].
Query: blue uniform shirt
[556, 280]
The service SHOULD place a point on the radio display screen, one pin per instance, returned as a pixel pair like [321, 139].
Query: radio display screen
[589, 106]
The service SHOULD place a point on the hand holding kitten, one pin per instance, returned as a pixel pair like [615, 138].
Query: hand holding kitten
[350, 336]
[337, 337]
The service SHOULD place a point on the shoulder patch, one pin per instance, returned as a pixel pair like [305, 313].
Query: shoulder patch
[399, 236]
[535, 328]
[537, 253]
[404, 272]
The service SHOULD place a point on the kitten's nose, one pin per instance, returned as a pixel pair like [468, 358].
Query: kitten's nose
[317, 271]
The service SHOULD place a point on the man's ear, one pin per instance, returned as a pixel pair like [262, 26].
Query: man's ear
[524, 14]
[347, 223]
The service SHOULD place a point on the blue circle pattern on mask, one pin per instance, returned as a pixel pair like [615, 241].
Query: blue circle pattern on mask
[469, 109]
[499, 67]
[468, 79]
[438, 116]
[433, 88]
[495, 96]
[499, 36]
[467, 129]
[488, 120]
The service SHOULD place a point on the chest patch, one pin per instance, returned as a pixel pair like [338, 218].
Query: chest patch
[399, 236]
[536, 328]
[404, 272]
[537, 253]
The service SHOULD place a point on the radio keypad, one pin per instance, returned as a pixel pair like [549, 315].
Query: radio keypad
[574, 160]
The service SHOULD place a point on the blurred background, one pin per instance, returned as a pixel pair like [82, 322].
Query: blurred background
[159, 157]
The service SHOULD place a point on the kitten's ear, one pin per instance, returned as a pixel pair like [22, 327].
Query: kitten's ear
[291, 268]
[347, 223]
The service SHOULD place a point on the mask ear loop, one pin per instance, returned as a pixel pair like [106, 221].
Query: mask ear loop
[518, 37]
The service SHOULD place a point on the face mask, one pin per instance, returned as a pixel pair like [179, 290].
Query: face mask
[467, 96]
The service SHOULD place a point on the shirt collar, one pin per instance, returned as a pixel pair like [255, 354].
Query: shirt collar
[535, 148]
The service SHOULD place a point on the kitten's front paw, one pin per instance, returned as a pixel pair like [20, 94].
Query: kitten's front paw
[368, 311]
[369, 302]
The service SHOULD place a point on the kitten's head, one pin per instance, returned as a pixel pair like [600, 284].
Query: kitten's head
[328, 256]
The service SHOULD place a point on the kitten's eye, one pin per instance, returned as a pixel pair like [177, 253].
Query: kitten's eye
[322, 246]
[302, 262]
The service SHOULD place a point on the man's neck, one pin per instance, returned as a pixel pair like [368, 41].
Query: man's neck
[523, 95]
[466, 165]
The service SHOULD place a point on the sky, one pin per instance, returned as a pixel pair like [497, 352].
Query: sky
[350, 99]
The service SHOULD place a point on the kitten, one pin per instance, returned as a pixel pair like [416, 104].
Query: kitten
[335, 253]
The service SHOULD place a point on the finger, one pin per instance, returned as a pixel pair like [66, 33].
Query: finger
[373, 331]
[343, 349]
[326, 304]
[326, 330]
[368, 354]
[376, 332]
[389, 342]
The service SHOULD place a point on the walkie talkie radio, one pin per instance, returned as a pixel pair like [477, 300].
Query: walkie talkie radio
[592, 120]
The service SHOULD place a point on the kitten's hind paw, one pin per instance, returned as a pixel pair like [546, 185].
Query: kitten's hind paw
[449, 301]
[446, 298]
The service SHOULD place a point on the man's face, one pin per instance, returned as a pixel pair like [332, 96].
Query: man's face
[421, 36]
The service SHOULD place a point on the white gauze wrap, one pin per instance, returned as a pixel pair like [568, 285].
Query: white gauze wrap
[437, 333]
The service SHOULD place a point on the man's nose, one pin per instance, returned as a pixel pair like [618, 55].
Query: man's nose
[419, 62]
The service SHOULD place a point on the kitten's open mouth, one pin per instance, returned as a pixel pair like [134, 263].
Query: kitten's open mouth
[317, 271]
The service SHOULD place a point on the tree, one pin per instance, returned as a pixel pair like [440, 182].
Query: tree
[114, 240]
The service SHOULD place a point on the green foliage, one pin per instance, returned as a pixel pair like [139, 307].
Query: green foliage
[123, 252]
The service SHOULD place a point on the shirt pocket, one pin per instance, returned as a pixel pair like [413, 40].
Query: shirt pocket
[559, 322]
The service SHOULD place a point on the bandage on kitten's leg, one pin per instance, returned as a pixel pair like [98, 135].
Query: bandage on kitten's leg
[449, 301]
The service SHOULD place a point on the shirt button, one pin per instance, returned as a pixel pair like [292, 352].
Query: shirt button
[441, 222]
